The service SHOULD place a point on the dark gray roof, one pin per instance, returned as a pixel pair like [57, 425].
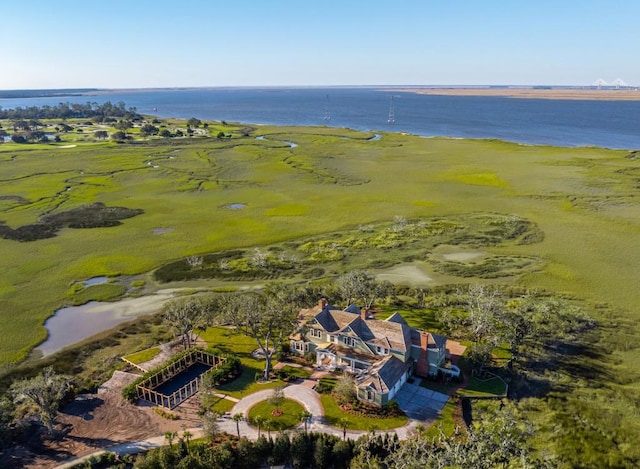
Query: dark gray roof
[433, 340]
[352, 308]
[440, 340]
[396, 317]
[385, 374]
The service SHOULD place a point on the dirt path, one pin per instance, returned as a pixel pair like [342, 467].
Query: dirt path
[105, 419]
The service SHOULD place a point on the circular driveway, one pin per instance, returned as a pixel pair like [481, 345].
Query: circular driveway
[309, 399]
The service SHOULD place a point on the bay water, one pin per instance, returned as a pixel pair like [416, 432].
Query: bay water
[608, 124]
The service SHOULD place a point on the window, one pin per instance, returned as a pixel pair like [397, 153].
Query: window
[349, 341]
[300, 346]
[382, 351]
[315, 333]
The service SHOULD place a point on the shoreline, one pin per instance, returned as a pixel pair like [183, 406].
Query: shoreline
[530, 93]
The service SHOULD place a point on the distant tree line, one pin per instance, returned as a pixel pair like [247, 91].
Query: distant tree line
[12, 94]
[95, 111]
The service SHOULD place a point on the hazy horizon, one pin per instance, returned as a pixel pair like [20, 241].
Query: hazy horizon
[284, 43]
[89, 89]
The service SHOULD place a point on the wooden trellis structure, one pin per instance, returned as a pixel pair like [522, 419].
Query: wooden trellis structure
[147, 389]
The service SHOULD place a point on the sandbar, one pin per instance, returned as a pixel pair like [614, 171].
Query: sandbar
[590, 94]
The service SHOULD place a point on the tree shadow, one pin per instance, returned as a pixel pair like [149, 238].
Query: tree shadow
[83, 407]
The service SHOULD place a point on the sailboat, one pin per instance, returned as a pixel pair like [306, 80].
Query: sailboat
[392, 113]
[327, 116]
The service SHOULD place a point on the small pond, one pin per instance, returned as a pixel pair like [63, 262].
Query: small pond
[76, 323]
[95, 281]
[235, 206]
[158, 231]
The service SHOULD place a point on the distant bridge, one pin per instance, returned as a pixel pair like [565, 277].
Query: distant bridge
[618, 83]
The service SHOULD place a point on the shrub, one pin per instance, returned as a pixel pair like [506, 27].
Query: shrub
[326, 385]
[310, 357]
[166, 415]
[228, 371]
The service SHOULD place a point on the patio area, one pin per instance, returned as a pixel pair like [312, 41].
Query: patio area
[419, 403]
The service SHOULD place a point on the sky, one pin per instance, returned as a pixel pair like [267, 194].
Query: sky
[156, 43]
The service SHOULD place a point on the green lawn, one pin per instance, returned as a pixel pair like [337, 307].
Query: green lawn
[296, 372]
[334, 416]
[143, 355]
[227, 341]
[484, 388]
[291, 412]
[222, 405]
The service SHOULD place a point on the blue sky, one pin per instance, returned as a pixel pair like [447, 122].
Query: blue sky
[158, 43]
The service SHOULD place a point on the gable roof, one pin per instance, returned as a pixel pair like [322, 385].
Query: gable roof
[333, 320]
[397, 317]
[394, 333]
[434, 341]
[384, 375]
[352, 308]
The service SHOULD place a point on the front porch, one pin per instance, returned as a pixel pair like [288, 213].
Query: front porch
[330, 357]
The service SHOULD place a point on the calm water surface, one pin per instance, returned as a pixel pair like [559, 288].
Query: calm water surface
[611, 124]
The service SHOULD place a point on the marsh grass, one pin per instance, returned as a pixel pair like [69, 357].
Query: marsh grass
[103, 292]
[581, 201]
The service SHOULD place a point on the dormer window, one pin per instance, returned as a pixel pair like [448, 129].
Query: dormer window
[315, 333]
[382, 351]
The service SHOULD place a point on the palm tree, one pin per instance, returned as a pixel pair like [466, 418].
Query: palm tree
[258, 421]
[170, 436]
[305, 417]
[237, 418]
[268, 422]
[187, 436]
[344, 423]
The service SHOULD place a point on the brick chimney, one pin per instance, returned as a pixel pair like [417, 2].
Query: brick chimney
[364, 313]
[322, 303]
[422, 365]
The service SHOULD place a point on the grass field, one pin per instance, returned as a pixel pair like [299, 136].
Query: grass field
[582, 201]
